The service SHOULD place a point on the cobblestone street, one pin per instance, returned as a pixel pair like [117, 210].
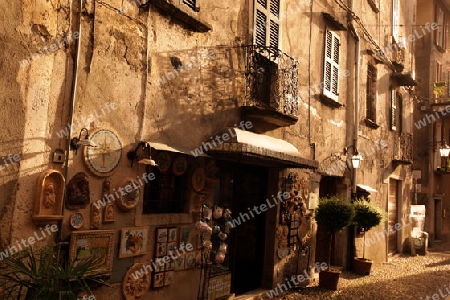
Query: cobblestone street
[404, 277]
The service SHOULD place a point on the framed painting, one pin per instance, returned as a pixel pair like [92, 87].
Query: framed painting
[133, 241]
[168, 278]
[158, 280]
[159, 264]
[189, 261]
[187, 236]
[179, 263]
[93, 243]
[161, 235]
[161, 249]
[172, 234]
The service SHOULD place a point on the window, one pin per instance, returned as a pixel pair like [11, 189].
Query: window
[396, 111]
[395, 19]
[166, 193]
[371, 94]
[192, 4]
[267, 26]
[331, 66]
[440, 34]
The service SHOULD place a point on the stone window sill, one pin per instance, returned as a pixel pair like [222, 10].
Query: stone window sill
[184, 14]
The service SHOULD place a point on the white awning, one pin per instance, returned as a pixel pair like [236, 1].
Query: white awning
[366, 188]
[172, 148]
[258, 148]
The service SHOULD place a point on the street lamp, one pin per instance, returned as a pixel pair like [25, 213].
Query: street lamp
[356, 160]
[444, 151]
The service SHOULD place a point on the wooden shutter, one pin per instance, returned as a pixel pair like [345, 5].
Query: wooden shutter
[395, 19]
[393, 110]
[331, 66]
[267, 25]
[191, 3]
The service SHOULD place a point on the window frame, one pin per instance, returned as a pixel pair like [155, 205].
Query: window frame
[270, 20]
[331, 90]
[371, 93]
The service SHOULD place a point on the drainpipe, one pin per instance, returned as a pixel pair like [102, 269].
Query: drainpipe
[71, 111]
[356, 103]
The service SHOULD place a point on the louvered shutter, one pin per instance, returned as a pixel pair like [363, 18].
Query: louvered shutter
[267, 26]
[393, 110]
[331, 66]
[190, 3]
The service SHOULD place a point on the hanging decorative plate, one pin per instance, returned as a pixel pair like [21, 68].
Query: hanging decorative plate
[163, 160]
[103, 159]
[76, 220]
[129, 195]
[198, 179]
[179, 165]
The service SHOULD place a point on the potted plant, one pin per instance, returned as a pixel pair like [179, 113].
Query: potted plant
[332, 215]
[38, 276]
[367, 216]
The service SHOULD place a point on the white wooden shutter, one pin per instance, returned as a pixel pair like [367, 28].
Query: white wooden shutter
[395, 19]
[331, 66]
[267, 25]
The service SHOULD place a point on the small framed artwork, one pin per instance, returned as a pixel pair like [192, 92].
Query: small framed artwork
[168, 278]
[161, 249]
[179, 263]
[170, 265]
[172, 234]
[109, 213]
[93, 243]
[187, 236]
[189, 261]
[159, 264]
[171, 247]
[158, 280]
[129, 196]
[161, 235]
[133, 241]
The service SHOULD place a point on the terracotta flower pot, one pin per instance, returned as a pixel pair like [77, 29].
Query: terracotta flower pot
[362, 266]
[329, 279]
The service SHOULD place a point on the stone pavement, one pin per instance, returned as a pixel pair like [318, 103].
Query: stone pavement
[404, 277]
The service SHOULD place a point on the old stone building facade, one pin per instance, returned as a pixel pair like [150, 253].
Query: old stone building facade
[242, 105]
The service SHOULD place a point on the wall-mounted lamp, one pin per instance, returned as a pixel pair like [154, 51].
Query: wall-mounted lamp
[356, 157]
[77, 142]
[444, 151]
[133, 155]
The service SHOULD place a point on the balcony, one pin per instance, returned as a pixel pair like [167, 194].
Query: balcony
[271, 86]
[402, 149]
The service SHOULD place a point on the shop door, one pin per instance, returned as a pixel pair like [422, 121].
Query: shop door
[247, 257]
[392, 215]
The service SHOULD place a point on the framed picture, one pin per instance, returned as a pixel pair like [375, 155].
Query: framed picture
[161, 235]
[129, 196]
[171, 247]
[179, 263]
[168, 278]
[172, 234]
[187, 236]
[109, 213]
[93, 243]
[161, 249]
[189, 261]
[159, 264]
[158, 280]
[170, 265]
[133, 241]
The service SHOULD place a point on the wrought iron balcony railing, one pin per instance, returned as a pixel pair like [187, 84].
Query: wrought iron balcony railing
[271, 85]
[403, 153]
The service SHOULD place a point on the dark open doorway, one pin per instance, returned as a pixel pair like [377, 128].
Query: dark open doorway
[248, 186]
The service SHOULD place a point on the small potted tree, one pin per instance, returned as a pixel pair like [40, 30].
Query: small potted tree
[332, 215]
[367, 216]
